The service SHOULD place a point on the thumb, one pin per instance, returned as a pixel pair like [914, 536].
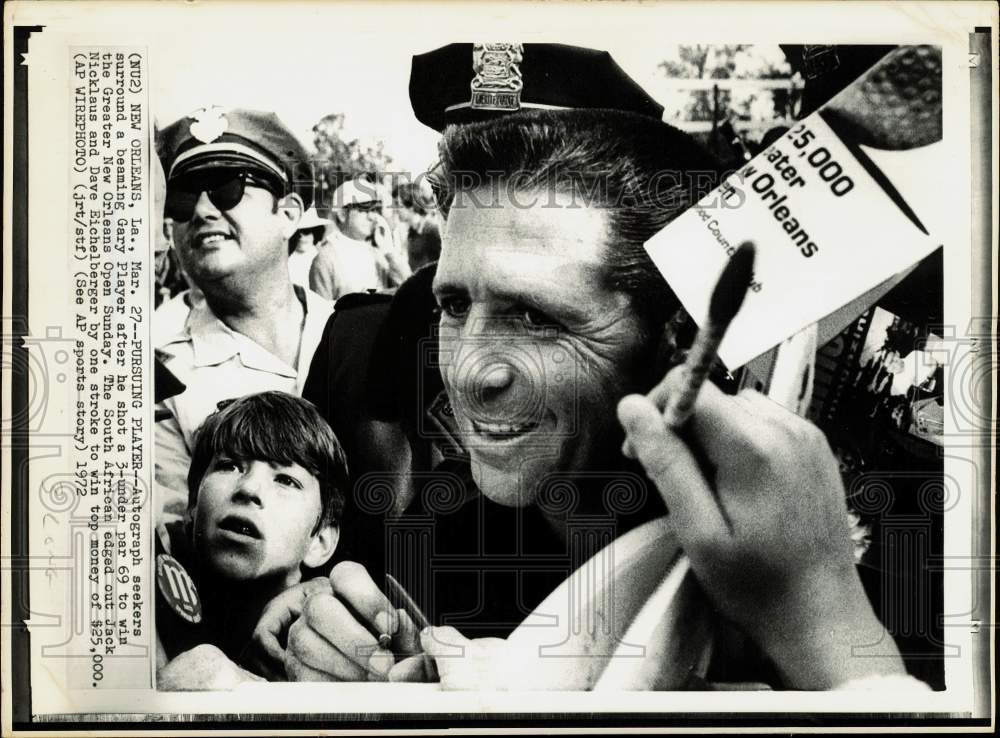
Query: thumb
[275, 620]
[444, 642]
[442, 645]
[672, 467]
[410, 669]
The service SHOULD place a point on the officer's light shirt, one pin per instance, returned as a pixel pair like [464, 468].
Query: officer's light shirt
[216, 363]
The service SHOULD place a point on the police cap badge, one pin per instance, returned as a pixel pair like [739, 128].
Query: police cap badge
[461, 83]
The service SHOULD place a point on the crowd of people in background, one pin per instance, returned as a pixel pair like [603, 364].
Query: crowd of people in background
[372, 236]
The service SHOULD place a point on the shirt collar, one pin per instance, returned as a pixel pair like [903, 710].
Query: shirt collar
[213, 342]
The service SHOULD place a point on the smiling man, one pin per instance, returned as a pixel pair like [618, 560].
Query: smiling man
[523, 306]
[234, 199]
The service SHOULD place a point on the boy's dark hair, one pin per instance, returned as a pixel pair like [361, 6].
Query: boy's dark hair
[642, 172]
[277, 427]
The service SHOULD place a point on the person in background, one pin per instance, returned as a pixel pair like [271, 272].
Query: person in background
[423, 244]
[168, 276]
[303, 246]
[417, 223]
[360, 253]
[235, 202]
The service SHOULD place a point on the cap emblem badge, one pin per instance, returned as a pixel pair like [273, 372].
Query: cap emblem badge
[498, 82]
[209, 123]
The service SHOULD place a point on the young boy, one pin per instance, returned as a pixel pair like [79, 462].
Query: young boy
[265, 494]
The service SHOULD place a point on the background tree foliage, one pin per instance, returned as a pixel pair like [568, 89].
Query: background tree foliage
[728, 61]
[340, 157]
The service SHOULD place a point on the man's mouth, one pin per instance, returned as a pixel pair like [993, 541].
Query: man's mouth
[497, 431]
[240, 526]
[203, 240]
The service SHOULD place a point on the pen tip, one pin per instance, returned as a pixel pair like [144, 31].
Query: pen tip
[733, 285]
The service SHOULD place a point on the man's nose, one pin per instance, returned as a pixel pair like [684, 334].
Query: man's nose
[495, 378]
[204, 208]
[486, 371]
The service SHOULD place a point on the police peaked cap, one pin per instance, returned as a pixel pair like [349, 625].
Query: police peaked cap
[247, 139]
[550, 76]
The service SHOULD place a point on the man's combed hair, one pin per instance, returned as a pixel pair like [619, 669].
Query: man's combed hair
[280, 428]
[643, 173]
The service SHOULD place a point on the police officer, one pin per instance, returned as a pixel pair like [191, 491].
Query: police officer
[238, 183]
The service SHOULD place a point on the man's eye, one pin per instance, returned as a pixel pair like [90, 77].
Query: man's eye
[227, 465]
[536, 318]
[455, 307]
[288, 481]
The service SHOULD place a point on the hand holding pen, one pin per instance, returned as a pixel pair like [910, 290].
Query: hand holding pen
[759, 507]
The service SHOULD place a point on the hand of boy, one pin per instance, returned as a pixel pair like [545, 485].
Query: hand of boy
[266, 654]
[203, 668]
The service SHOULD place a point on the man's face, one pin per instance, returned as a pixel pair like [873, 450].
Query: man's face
[305, 241]
[255, 519]
[246, 240]
[535, 350]
[357, 221]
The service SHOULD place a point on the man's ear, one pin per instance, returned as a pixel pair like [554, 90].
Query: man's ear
[321, 546]
[292, 208]
[167, 228]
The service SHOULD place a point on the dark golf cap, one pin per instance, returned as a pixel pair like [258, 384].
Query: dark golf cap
[211, 138]
[462, 83]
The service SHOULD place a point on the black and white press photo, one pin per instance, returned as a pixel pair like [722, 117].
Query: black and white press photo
[548, 365]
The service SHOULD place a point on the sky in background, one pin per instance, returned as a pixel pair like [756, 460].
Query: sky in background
[362, 75]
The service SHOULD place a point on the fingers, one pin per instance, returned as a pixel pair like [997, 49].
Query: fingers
[763, 405]
[408, 670]
[313, 586]
[443, 641]
[725, 427]
[267, 631]
[671, 466]
[310, 657]
[270, 654]
[337, 631]
[670, 384]
[407, 640]
[442, 644]
[414, 669]
[351, 583]
[300, 672]
[379, 665]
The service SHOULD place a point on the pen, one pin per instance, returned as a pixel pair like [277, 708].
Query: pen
[396, 592]
[727, 298]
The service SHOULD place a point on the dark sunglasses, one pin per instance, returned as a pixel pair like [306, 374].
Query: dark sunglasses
[224, 189]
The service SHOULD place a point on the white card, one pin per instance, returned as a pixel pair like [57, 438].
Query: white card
[825, 230]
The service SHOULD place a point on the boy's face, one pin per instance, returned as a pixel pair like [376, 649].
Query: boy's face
[255, 519]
